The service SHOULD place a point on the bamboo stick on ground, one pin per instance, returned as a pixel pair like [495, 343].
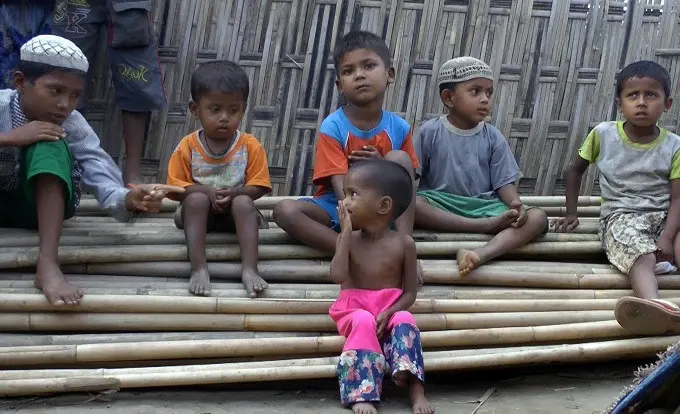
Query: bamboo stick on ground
[272, 347]
[91, 205]
[331, 292]
[438, 361]
[174, 304]
[23, 339]
[27, 256]
[270, 236]
[136, 322]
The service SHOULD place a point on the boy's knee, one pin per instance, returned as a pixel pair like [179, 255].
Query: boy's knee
[363, 319]
[402, 317]
[242, 204]
[401, 158]
[196, 201]
[285, 209]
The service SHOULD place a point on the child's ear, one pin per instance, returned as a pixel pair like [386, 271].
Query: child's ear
[391, 75]
[193, 107]
[338, 85]
[618, 103]
[667, 105]
[19, 81]
[448, 98]
[385, 205]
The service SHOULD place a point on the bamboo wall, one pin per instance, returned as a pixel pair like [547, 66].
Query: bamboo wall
[554, 62]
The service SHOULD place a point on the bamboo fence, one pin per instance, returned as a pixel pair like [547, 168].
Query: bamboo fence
[554, 61]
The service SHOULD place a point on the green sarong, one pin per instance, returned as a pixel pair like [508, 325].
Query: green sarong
[470, 207]
[18, 209]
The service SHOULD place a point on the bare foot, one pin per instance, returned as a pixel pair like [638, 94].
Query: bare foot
[502, 222]
[419, 273]
[253, 282]
[468, 260]
[50, 279]
[419, 403]
[364, 408]
[199, 284]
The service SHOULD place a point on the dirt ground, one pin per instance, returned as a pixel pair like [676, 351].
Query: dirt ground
[557, 389]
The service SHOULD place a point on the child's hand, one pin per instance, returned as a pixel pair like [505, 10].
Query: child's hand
[565, 224]
[665, 252]
[521, 213]
[223, 198]
[214, 198]
[369, 153]
[147, 198]
[345, 219]
[33, 132]
[381, 323]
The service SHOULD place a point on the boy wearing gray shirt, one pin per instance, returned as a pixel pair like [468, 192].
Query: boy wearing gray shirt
[639, 165]
[467, 171]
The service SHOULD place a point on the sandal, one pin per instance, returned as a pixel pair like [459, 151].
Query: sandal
[647, 317]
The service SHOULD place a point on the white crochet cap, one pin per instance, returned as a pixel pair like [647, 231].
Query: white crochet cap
[463, 69]
[54, 51]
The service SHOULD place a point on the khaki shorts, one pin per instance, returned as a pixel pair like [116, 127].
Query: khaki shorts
[219, 222]
[627, 236]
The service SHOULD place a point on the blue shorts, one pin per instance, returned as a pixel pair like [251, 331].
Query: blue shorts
[329, 203]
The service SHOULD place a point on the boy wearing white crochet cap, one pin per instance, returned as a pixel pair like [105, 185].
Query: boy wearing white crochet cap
[468, 172]
[47, 150]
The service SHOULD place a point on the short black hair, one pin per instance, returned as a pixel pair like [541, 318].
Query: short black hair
[35, 70]
[644, 69]
[222, 76]
[389, 178]
[447, 85]
[360, 39]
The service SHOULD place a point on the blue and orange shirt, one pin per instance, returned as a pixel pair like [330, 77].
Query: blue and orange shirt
[337, 139]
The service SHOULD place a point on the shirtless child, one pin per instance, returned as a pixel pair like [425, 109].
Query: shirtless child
[376, 268]
[223, 170]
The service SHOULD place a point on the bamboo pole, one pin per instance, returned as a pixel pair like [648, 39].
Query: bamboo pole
[272, 347]
[23, 339]
[438, 361]
[91, 205]
[136, 322]
[174, 304]
[280, 291]
[267, 236]
[27, 256]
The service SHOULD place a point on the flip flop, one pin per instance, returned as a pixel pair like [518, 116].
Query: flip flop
[647, 317]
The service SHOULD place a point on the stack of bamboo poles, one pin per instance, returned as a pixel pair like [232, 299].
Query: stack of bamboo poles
[137, 326]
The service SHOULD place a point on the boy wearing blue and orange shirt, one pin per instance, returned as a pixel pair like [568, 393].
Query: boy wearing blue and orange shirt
[358, 131]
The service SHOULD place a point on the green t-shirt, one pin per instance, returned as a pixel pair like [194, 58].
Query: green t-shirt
[633, 177]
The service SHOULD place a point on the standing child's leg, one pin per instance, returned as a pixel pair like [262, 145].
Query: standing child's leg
[362, 364]
[404, 356]
[506, 241]
[309, 221]
[195, 213]
[245, 214]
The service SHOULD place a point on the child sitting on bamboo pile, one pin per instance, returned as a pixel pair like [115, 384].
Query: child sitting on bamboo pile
[468, 172]
[639, 165]
[47, 149]
[223, 171]
[376, 268]
[360, 130]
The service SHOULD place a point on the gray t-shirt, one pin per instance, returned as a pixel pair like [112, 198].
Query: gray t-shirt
[634, 178]
[470, 163]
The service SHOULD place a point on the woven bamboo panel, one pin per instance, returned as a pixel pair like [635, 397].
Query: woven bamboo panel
[554, 61]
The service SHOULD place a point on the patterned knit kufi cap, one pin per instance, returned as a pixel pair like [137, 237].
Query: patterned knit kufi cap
[463, 69]
[54, 51]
